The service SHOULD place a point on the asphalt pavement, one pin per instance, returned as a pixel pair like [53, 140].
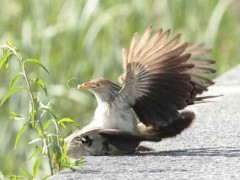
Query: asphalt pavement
[209, 149]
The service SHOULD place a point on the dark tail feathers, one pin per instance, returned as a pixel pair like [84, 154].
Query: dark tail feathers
[184, 121]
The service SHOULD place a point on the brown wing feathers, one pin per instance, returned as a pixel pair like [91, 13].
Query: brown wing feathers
[201, 68]
[162, 76]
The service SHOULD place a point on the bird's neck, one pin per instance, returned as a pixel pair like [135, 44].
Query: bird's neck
[102, 113]
[104, 98]
[100, 99]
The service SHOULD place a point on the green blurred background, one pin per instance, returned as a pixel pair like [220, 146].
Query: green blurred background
[77, 38]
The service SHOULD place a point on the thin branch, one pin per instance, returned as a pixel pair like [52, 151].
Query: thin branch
[20, 60]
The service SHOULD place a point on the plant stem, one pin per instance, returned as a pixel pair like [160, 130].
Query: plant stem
[33, 106]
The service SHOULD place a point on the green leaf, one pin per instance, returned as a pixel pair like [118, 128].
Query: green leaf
[25, 173]
[14, 80]
[7, 65]
[64, 146]
[66, 120]
[64, 157]
[33, 108]
[57, 151]
[11, 45]
[68, 166]
[62, 125]
[38, 150]
[47, 123]
[10, 92]
[20, 133]
[36, 61]
[36, 103]
[35, 140]
[36, 166]
[15, 115]
[41, 84]
[5, 57]
[40, 132]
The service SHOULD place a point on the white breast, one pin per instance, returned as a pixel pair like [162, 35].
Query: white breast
[115, 116]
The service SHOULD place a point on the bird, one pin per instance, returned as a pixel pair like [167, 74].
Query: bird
[161, 77]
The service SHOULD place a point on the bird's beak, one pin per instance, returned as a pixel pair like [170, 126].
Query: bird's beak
[85, 85]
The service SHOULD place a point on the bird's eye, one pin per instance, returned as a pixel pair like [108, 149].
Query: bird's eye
[97, 84]
[86, 141]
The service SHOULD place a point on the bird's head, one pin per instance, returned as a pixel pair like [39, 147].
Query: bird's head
[102, 88]
[89, 142]
[84, 144]
[94, 85]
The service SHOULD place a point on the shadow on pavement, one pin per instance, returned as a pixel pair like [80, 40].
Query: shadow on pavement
[218, 151]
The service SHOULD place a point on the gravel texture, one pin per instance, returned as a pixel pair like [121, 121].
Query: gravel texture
[209, 149]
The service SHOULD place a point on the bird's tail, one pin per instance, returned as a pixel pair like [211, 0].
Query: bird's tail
[184, 121]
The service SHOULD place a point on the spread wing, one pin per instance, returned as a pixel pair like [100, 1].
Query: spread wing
[160, 77]
[201, 68]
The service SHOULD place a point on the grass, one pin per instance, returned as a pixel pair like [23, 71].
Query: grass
[84, 39]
